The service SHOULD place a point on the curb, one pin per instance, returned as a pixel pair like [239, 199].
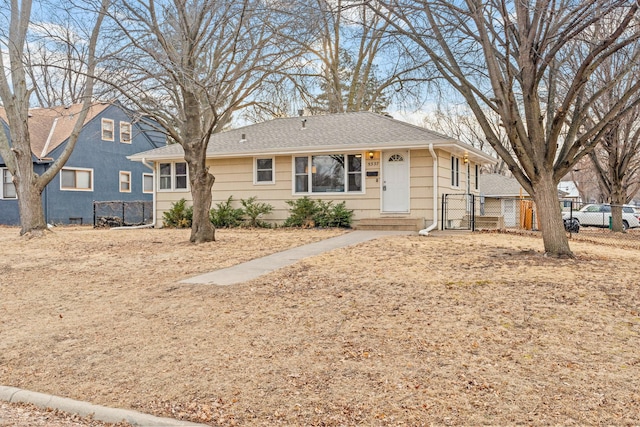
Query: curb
[100, 413]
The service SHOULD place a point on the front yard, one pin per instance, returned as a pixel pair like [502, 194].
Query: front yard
[449, 330]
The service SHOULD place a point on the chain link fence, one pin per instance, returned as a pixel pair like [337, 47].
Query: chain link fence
[122, 213]
[583, 222]
[506, 213]
[470, 212]
[601, 215]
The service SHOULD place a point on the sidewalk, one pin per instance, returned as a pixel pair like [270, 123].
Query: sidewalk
[252, 269]
[84, 409]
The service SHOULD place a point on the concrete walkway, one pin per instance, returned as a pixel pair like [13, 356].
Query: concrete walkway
[100, 413]
[252, 269]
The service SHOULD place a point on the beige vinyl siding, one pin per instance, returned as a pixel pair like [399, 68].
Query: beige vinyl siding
[421, 189]
[234, 177]
[165, 199]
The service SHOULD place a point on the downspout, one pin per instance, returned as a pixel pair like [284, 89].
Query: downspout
[425, 232]
[153, 223]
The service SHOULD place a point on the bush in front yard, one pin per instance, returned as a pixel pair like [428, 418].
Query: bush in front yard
[340, 216]
[254, 211]
[306, 212]
[179, 216]
[301, 213]
[226, 216]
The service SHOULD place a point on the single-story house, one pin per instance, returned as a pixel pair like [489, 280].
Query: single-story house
[390, 173]
[502, 196]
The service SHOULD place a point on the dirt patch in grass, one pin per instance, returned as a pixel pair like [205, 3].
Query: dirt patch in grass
[449, 330]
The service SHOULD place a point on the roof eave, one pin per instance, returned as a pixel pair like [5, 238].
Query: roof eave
[474, 154]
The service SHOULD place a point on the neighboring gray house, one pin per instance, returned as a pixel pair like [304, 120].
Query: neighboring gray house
[98, 169]
[499, 196]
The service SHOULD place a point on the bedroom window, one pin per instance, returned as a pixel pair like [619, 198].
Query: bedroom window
[125, 182]
[125, 132]
[107, 130]
[455, 171]
[72, 179]
[173, 176]
[264, 171]
[8, 190]
[332, 173]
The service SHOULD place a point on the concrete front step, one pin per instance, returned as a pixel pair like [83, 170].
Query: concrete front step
[398, 224]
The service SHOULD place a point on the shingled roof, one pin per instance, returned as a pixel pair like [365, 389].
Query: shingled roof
[50, 127]
[495, 185]
[323, 133]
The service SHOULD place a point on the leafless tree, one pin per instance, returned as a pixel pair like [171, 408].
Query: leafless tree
[461, 124]
[616, 158]
[616, 162]
[189, 65]
[584, 178]
[512, 57]
[15, 93]
[350, 61]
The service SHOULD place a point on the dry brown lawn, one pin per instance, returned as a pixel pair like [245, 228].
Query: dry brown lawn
[470, 329]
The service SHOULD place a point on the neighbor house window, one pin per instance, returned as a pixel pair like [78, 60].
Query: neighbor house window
[264, 171]
[125, 182]
[107, 130]
[332, 173]
[455, 171]
[147, 183]
[173, 176]
[125, 132]
[8, 190]
[76, 179]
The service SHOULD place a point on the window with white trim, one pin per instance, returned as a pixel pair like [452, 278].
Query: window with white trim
[8, 189]
[455, 171]
[264, 170]
[173, 176]
[107, 130]
[328, 173]
[125, 132]
[147, 183]
[75, 179]
[125, 182]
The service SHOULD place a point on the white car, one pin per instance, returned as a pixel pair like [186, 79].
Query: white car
[598, 215]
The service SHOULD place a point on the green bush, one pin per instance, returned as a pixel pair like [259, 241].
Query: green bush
[253, 211]
[318, 213]
[301, 213]
[179, 216]
[322, 218]
[225, 215]
[341, 216]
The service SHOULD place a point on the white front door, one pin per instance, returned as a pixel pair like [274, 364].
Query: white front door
[395, 181]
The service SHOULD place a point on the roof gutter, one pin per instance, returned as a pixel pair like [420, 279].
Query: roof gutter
[425, 232]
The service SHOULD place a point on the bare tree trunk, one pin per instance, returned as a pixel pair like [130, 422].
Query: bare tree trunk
[549, 212]
[202, 230]
[618, 198]
[32, 218]
[27, 189]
